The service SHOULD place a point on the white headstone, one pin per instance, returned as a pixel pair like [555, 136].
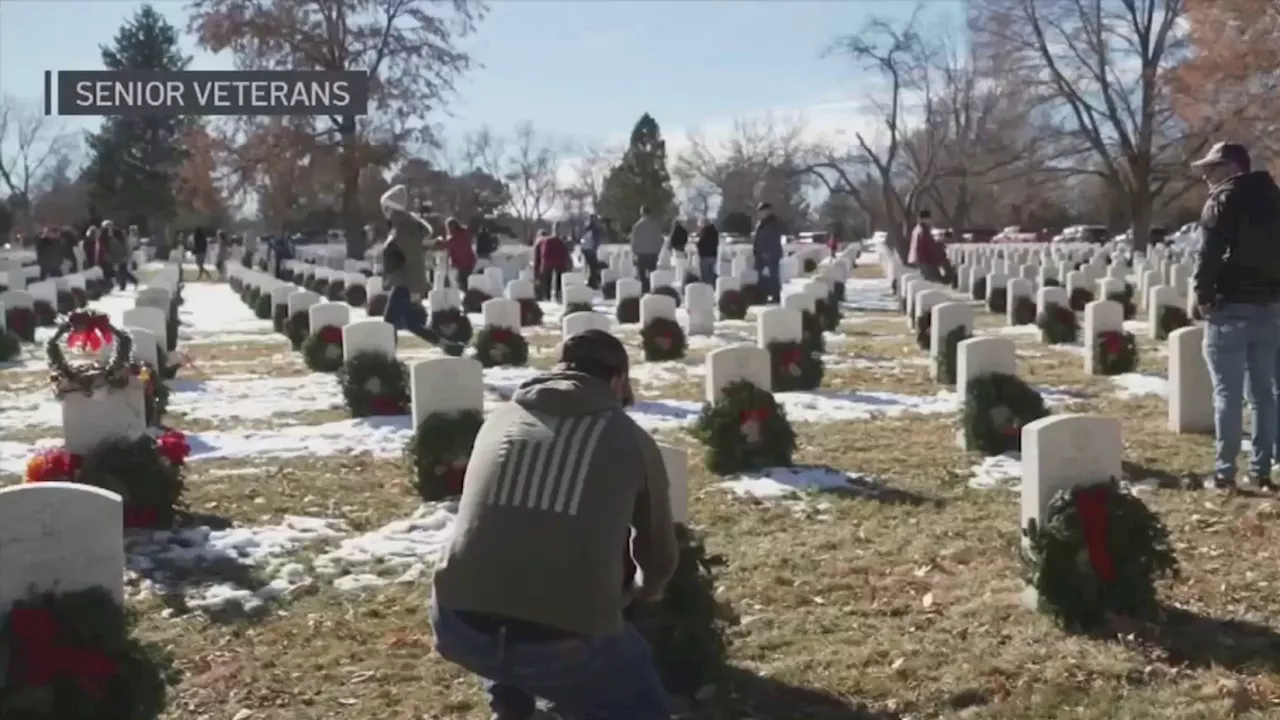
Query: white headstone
[1060, 452]
[580, 322]
[107, 414]
[445, 385]
[944, 318]
[520, 290]
[145, 346]
[366, 336]
[1049, 296]
[1190, 388]
[149, 318]
[676, 462]
[627, 288]
[1099, 316]
[980, 356]
[1159, 296]
[328, 313]
[302, 301]
[576, 294]
[654, 307]
[501, 313]
[735, 363]
[778, 325]
[444, 299]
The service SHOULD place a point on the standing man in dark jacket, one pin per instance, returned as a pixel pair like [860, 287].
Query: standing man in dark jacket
[1237, 291]
[561, 488]
[708, 251]
[200, 248]
[679, 237]
[766, 243]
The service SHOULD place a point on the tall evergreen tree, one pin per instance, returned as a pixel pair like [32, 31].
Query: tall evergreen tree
[640, 178]
[134, 161]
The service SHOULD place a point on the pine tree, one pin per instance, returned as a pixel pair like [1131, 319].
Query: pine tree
[640, 178]
[133, 164]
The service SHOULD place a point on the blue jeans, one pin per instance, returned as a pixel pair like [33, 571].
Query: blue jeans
[707, 267]
[587, 678]
[403, 314]
[769, 283]
[1241, 342]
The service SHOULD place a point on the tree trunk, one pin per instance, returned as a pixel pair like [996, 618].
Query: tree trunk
[1140, 204]
[352, 223]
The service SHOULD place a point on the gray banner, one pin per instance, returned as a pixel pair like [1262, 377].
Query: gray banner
[212, 92]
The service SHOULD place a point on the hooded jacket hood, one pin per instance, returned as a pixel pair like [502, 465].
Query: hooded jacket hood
[565, 393]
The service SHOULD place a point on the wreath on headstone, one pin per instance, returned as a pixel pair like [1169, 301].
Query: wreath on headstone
[80, 297]
[279, 316]
[439, 452]
[609, 289]
[924, 330]
[662, 339]
[298, 328]
[252, 295]
[828, 311]
[286, 275]
[996, 407]
[948, 354]
[668, 291]
[577, 307]
[374, 384]
[337, 291]
[732, 305]
[751, 294]
[65, 301]
[627, 311]
[377, 305]
[1024, 310]
[322, 350]
[691, 278]
[10, 345]
[998, 300]
[89, 331]
[73, 656]
[499, 346]
[46, 314]
[320, 286]
[1050, 282]
[473, 300]
[262, 308]
[978, 288]
[530, 312]
[145, 472]
[744, 430]
[171, 325]
[155, 391]
[1125, 301]
[809, 265]
[356, 295]
[1097, 554]
[451, 324]
[237, 285]
[1079, 298]
[1058, 325]
[811, 332]
[1170, 318]
[793, 367]
[1115, 352]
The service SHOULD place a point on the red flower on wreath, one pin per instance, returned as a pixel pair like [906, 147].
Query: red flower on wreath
[501, 335]
[42, 660]
[173, 446]
[331, 335]
[385, 405]
[89, 331]
[752, 421]
[453, 474]
[791, 359]
[1111, 342]
[140, 517]
[53, 466]
[1011, 431]
[1091, 504]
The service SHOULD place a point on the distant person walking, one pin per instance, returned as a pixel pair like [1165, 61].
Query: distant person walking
[708, 251]
[1237, 291]
[679, 237]
[462, 256]
[550, 262]
[118, 255]
[404, 269]
[925, 254]
[646, 245]
[593, 236]
[766, 244]
[222, 253]
[200, 249]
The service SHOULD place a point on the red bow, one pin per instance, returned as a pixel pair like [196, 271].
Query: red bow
[89, 331]
[792, 356]
[500, 335]
[173, 447]
[140, 517]
[384, 405]
[1091, 504]
[330, 335]
[1112, 343]
[35, 631]
[454, 476]
[754, 415]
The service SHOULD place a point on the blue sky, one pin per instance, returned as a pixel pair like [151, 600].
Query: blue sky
[581, 70]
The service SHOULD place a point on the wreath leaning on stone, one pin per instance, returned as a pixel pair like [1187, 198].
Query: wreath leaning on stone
[828, 310]
[924, 330]
[998, 300]
[662, 339]
[46, 314]
[744, 430]
[10, 345]
[668, 291]
[439, 452]
[499, 346]
[627, 311]
[1079, 298]
[377, 305]
[1024, 310]
[21, 321]
[837, 292]
[1115, 352]
[609, 289]
[297, 328]
[74, 656]
[1125, 301]
[1170, 318]
[322, 350]
[374, 384]
[792, 367]
[1058, 325]
[530, 312]
[978, 288]
[996, 407]
[356, 295]
[262, 308]
[1097, 553]
[811, 332]
[948, 353]
[732, 305]
[473, 300]
[451, 324]
[279, 316]
[337, 291]
[65, 300]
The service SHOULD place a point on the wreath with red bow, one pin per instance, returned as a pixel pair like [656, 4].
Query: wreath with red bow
[996, 408]
[732, 305]
[377, 305]
[145, 472]
[1024, 311]
[73, 656]
[1058, 325]
[998, 300]
[1170, 318]
[356, 295]
[439, 452]
[627, 311]
[662, 339]
[322, 349]
[793, 367]
[21, 321]
[337, 291]
[530, 312]
[1125, 301]
[668, 291]
[452, 324]
[90, 332]
[745, 430]
[298, 328]
[946, 362]
[473, 300]
[978, 288]
[1097, 552]
[1079, 298]
[46, 314]
[1115, 352]
[374, 384]
[499, 346]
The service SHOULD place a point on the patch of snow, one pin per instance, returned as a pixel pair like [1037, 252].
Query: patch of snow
[404, 550]
[775, 483]
[998, 472]
[248, 397]
[1134, 385]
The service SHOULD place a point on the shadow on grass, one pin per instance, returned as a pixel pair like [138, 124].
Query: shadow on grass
[745, 694]
[1188, 638]
[1163, 479]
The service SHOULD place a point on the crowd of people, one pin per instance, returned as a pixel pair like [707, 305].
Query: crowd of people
[101, 244]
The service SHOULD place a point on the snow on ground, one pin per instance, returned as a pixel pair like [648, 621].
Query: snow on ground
[1133, 385]
[776, 483]
[1000, 471]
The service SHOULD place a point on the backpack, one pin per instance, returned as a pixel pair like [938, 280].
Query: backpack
[486, 244]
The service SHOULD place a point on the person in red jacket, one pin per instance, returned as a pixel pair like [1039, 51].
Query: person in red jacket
[550, 261]
[462, 256]
[927, 255]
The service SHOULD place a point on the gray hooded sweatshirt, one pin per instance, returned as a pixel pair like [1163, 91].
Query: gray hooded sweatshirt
[646, 236]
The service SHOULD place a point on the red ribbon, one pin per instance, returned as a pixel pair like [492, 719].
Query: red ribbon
[1112, 342]
[173, 446]
[384, 405]
[755, 414]
[454, 477]
[89, 332]
[1091, 504]
[140, 517]
[792, 356]
[500, 335]
[35, 631]
[330, 335]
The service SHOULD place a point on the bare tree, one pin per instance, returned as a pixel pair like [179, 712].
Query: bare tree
[37, 141]
[532, 169]
[590, 170]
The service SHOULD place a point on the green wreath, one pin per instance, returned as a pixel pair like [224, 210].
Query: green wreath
[297, 328]
[309, 281]
[21, 321]
[978, 288]
[1079, 298]
[279, 316]
[811, 332]
[1115, 352]
[356, 295]
[439, 451]
[374, 384]
[149, 481]
[320, 286]
[745, 430]
[473, 300]
[828, 311]
[10, 345]
[236, 284]
[377, 305]
[1170, 318]
[1126, 302]
[808, 266]
[1058, 325]
[996, 407]
[1024, 310]
[286, 275]
[576, 307]
[751, 294]
[156, 392]
[66, 301]
[251, 298]
[171, 329]
[498, 346]
[530, 312]
[924, 331]
[262, 308]
[662, 339]
[998, 300]
[46, 315]
[74, 656]
[322, 350]
[732, 305]
[1050, 282]
[668, 291]
[1098, 552]
[451, 324]
[627, 311]
[949, 352]
[337, 291]
[793, 368]
[609, 289]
